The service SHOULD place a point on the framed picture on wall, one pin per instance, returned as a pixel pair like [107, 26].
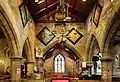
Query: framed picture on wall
[23, 14]
[45, 36]
[74, 36]
[38, 51]
[29, 17]
[97, 13]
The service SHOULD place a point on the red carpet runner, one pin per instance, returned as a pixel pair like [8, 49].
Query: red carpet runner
[60, 80]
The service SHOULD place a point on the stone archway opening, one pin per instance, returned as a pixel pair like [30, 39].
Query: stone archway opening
[5, 55]
[12, 49]
[71, 64]
[24, 63]
[111, 49]
[94, 59]
[114, 52]
[27, 66]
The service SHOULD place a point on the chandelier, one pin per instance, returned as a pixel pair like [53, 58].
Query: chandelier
[62, 12]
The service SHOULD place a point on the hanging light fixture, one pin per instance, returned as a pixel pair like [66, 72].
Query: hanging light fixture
[67, 17]
[62, 11]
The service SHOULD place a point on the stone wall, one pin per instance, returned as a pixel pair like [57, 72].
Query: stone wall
[101, 31]
[4, 56]
[49, 66]
[16, 34]
[11, 8]
[78, 48]
[104, 36]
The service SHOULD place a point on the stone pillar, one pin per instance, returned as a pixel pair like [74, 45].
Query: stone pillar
[107, 69]
[106, 3]
[30, 68]
[41, 69]
[119, 59]
[16, 69]
[90, 64]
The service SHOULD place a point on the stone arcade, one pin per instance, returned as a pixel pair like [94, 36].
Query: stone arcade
[59, 40]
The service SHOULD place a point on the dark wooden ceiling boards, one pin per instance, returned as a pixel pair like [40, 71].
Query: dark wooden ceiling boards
[78, 9]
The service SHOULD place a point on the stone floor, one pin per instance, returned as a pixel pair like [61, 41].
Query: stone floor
[50, 81]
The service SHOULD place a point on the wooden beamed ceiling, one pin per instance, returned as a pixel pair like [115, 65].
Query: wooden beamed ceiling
[78, 9]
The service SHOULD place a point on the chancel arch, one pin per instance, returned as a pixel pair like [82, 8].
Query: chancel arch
[60, 60]
[64, 44]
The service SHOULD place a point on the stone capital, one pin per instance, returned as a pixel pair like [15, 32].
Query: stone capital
[16, 58]
[89, 63]
[30, 62]
[106, 2]
[107, 58]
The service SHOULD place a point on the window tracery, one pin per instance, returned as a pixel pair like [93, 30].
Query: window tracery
[59, 64]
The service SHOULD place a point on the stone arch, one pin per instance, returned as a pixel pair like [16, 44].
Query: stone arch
[92, 44]
[65, 44]
[60, 51]
[10, 34]
[28, 51]
[113, 26]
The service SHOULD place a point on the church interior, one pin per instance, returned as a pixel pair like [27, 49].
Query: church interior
[59, 40]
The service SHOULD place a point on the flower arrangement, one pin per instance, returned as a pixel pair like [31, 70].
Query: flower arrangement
[85, 73]
[29, 75]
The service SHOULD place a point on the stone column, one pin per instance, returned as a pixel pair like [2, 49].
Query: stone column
[30, 68]
[106, 3]
[107, 69]
[41, 68]
[16, 69]
[90, 64]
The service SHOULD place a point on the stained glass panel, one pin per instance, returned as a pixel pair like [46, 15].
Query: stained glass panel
[59, 64]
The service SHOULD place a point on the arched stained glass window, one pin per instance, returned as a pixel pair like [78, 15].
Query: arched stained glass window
[59, 64]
